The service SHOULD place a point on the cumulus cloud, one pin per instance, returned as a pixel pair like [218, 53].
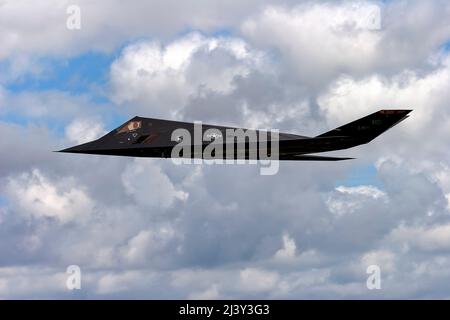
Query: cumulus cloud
[442, 176]
[209, 294]
[104, 26]
[113, 283]
[432, 238]
[38, 197]
[25, 281]
[328, 38]
[150, 186]
[166, 76]
[348, 199]
[258, 280]
[81, 131]
[322, 40]
[148, 243]
[289, 249]
[406, 90]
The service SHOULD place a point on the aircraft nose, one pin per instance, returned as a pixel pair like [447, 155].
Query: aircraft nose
[81, 148]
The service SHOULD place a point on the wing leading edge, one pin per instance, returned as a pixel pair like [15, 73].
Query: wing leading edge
[310, 157]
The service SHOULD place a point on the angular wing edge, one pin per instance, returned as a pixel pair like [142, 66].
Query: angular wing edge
[307, 157]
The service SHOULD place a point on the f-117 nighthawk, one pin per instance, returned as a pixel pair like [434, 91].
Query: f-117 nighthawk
[155, 138]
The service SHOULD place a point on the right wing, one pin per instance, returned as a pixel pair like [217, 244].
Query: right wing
[307, 157]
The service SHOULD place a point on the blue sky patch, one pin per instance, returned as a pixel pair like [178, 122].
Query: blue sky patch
[86, 73]
[361, 175]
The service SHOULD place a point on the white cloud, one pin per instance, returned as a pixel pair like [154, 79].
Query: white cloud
[425, 94]
[368, 191]
[20, 28]
[349, 199]
[36, 196]
[118, 282]
[164, 77]
[320, 40]
[81, 131]
[254, 280]
[432, 238]
[148, 243]
[24, 282]
[145, 181]
[40, 28]
[442, 176]
[209, 294]
[288, 251]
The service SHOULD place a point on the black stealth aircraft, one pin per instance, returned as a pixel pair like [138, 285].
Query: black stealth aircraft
[147, 137]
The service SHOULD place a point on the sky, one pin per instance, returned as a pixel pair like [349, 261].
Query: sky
[147, 228]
